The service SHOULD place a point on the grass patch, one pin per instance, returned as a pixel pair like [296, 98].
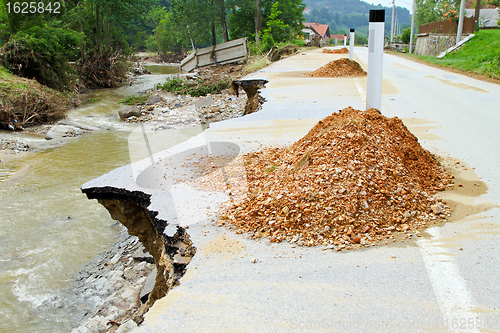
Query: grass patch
[135, 99]
[480, 55]
[196, 88]
[255, 63]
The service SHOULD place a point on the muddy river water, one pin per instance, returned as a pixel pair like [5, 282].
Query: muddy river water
[48, 228]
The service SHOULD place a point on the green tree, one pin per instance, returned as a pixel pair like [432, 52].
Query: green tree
[4, 24]
[205, 18]
[291, 14]
[276, 30]
[43, 52]
[167, 34]
[247, 17]
[241, 19]
[428, 11]
[405, 36]
[360, 39]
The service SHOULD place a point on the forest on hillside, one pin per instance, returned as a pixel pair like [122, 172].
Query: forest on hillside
[70, 44]
[342, 15]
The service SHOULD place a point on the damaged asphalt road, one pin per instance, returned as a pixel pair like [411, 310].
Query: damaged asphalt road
[445, 280]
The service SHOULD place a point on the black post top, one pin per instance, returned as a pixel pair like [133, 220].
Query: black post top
[377, 15]
[352, 30]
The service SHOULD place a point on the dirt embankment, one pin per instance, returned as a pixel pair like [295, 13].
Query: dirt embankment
[25, 102]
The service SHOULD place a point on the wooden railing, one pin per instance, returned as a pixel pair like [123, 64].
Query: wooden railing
[447, 27]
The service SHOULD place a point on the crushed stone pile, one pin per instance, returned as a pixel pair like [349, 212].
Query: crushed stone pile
[343, 50]
[337, 68]
[356, 179]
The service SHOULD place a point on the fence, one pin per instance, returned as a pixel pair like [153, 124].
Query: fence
[447, 27]
[224, 53]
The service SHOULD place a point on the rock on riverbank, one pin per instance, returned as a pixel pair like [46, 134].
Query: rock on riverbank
[167, 109]
[106, 292]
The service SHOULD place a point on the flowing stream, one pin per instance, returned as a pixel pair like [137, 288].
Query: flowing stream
[48, 228]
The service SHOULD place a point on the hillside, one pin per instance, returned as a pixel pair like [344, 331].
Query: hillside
[342, 15]
[481, 55]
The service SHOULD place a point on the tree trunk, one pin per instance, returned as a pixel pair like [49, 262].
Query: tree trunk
[97, 29]
[476, 15]
[214, 39]
[258, 20]
[223, 21]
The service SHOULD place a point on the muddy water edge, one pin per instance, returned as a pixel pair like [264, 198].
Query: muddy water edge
[48, 229]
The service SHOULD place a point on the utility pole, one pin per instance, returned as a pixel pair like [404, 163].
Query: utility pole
[461, 22]
[412, 24]
[396, 25]
[392, 23]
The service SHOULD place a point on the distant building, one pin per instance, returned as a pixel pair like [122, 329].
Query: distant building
[322, 30]
[489, 14]
[339, 39]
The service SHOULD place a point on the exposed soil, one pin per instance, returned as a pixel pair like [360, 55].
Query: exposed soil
[25, 102]
[338, 68]
[356, 179]
[343, 50]
[280, 53]
[232, 70]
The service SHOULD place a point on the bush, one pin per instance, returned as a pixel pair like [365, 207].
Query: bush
[43, 53]
[196, 88]
[254, 49]
[360, 39]
[135, 99]
[172, 84]
[405, 37]
[299, 42]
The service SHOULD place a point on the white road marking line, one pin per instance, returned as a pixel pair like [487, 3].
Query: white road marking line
[360, 89]
[449, 287]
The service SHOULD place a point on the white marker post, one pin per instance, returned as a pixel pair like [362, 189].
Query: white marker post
[375, 59]
[351, 45]
[345, 40]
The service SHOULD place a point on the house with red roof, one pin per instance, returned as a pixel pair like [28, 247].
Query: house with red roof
[322, 30]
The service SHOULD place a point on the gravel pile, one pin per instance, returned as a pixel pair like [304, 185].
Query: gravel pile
[343, 50]
[338, 68]
[356, 179]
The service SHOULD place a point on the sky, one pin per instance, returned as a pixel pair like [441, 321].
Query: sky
[388, 3]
